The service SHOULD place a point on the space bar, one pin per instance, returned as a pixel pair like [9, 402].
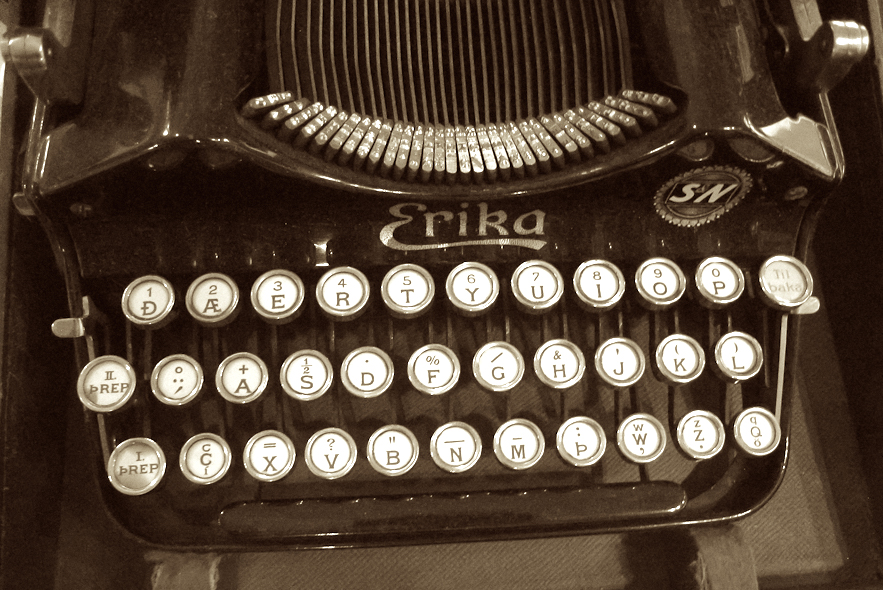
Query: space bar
[492, 514]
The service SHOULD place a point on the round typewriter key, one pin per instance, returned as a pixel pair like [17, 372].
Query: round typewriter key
[367, 371]
[701, 434]
[559, 363]
[719, 282]
[455, 447]
[738, 356]
[148, 301]
[519, 444]
[679, 359]
[205, 458]
[213, 300]
[106, 383]
[136, 466]
[757, 432]
[660, 282]
[343, 293]
[498, 366]
[581, 441]
[434, 369]
[537, 286]
[330, 453]
[599, 284]
[407, 290]
[241, 378]
[472, 288]
[785, 282]
[176, 380]
[269, 456]
[620, 362]
[641, 438]
[306, 375]
[278, 296]
[392, 450]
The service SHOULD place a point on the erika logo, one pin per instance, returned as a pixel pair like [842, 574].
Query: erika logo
[701, 195]
[418, 228]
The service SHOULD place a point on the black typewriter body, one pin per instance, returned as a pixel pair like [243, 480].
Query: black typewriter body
[174, 161]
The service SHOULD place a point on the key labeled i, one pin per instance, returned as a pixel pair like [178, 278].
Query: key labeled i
[598, 284]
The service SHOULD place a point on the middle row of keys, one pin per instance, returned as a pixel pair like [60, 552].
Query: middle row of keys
[408, 290]
[108, 382]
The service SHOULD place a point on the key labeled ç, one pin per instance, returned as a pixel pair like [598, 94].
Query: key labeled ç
[306, 375]
[701, 435]
[343, 293]
[472, 288]
[392, 450]
[269, 456]
[785, 282]
[205, 458]
[641, 438]
[581, 441]
[737, 357]
[660, 282]
[278, 296]
[537, 286]
[519, 444]
[434, 369]
[106, 383]
[176, 380]
[559, 363]
[620, 362]
[719, 282]
[148, 301]
[213, 300]
[598, 284]
[498, 366]
[757, 432]
[242, 378]
[330, 453]
[455, 447]
[679, 359]
[136, 466]
[367, 372]
[407, 290]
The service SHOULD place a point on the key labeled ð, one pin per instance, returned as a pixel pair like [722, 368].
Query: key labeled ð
[148, 301]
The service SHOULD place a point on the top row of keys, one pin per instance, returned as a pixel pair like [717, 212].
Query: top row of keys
[471, 287]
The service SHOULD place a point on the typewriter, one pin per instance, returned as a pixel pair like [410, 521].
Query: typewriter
[349, 273]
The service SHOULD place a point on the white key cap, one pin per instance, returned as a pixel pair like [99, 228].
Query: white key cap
[269, 456]
[701, 434]
[330, 453]
[641, 438]
[136, 466]
[205, 458]
[581, 441]
[455, 447]
[106, 383]
[343, 293]
[213, 300]
[278, 296]
[519, 444]
[393, 450]
[148, 301]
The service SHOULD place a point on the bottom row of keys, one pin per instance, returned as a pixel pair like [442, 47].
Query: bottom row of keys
[138, 465]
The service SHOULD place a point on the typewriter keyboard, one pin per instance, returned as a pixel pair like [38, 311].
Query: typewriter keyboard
[342, 383]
